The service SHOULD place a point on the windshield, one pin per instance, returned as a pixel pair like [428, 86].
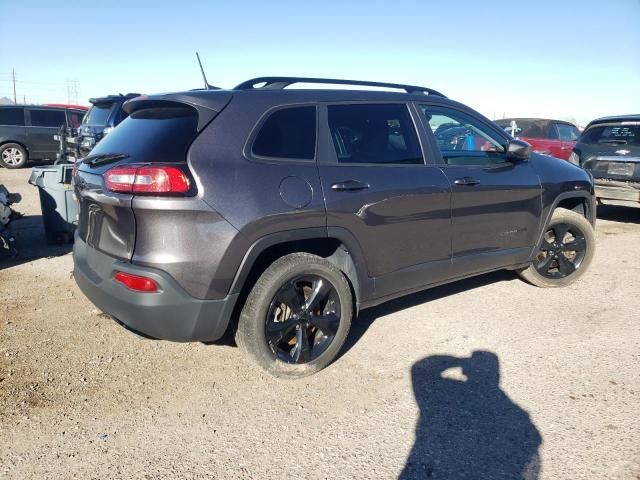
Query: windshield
[99, 114]
[615, 134]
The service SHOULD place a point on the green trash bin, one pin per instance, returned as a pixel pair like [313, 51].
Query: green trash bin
[59, 207]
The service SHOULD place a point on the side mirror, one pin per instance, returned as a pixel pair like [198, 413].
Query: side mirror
[518, 151]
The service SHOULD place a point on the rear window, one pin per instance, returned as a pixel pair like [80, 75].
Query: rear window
[615, 134]
[48, 118]
[99, 114]
[12, 116]
[289, 133]
[153, 135]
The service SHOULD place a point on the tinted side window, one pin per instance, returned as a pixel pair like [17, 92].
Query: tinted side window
[524, 128]
[533, 129]
[462, 139]
[47, 118]
[374, 133]
[553, 132]
[568, 133]
[288, 133]
[12, 116]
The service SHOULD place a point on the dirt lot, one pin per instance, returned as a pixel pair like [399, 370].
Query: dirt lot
[553, 388]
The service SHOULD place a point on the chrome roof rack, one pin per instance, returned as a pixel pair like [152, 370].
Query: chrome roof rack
[278, 83]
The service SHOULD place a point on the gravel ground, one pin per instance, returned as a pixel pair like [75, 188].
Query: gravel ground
[484, 378]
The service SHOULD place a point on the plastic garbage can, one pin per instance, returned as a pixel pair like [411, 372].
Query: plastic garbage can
[59, 208]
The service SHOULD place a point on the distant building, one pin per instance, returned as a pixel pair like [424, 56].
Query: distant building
[6, 101]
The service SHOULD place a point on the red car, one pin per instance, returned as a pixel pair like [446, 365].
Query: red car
[551, 137]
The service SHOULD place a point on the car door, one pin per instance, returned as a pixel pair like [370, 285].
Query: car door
[567, 134]
[554, 142]
[496, 203]
[43, 124]
[378, 187]
[12, 125]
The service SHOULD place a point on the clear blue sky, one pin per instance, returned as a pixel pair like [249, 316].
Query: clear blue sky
[561, 58]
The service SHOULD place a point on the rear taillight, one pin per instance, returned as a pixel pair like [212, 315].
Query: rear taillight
[147, 180]
[136, 282]
[574, 158]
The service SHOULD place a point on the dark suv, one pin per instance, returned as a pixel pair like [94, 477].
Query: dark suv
[609, 148]
[280, 213]
[104, 115]
[27, 131]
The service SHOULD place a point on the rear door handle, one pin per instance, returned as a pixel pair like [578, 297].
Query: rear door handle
[349, 185]
[466, 181]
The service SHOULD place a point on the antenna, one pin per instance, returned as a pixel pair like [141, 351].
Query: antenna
[206, 84]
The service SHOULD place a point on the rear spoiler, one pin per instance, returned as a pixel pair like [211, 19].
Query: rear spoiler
[207, 105]
[112, 98]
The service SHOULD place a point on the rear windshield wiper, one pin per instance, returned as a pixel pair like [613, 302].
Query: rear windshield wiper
[101, 159]
[620, 141]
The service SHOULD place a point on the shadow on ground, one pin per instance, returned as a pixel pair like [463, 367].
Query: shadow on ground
[618, 213]
[30, 242]
[468, 427]
[366, 318]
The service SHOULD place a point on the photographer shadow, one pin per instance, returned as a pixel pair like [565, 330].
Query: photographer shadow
[468, 427]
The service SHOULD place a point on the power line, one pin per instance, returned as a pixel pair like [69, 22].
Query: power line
[34, 83]
[36, 91]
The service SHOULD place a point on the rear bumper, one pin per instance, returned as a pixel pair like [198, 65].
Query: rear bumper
[615, 190]
[170, 314]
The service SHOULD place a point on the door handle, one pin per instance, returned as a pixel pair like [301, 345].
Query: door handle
[349, 185]
[466, 181]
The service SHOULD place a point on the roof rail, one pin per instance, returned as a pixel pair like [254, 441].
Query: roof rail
[278, 83]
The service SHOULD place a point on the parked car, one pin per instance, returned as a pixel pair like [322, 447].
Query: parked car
[550, 137]
[27, 131]
[281, 213]
[609, 148]
[104, 115]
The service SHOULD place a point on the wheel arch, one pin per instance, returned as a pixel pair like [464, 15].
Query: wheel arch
[577, 204]
[4, 141]
[579, 201]
[337, 247]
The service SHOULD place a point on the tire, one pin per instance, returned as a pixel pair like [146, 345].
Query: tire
[288, 278]
[13, 155]
[567, 265]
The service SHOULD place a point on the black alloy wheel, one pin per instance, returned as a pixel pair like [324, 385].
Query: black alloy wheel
[303, 319]
[562, 251]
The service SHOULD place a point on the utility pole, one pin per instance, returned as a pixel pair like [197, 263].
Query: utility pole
[75, 92]
[13, 74]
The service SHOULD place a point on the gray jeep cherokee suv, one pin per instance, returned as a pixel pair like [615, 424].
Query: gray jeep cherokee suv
[279, 213]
